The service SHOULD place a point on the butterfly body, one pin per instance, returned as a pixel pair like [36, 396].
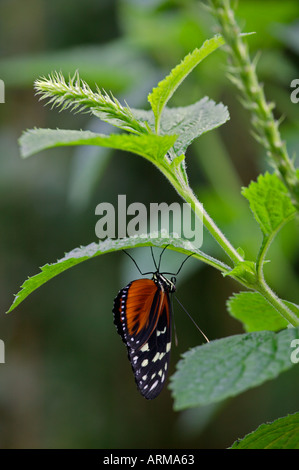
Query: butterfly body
[143, 318]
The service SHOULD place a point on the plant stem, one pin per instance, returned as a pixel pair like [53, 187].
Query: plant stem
[179, 182]
[243, 75]
[265, 246]
[211, 226]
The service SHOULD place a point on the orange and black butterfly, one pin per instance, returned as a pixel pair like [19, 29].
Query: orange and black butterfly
[143, 318]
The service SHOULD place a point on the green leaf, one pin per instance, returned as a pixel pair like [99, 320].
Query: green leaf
[227, 367]
[166, 88]
[282, 433]
[152, 147]
[78, 255]
[252, 309]
[188, 122]
[270, 203]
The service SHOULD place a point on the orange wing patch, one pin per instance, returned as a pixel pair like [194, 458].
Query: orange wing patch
[140, 299]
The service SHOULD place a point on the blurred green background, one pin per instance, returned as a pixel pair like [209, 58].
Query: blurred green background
[67, 382]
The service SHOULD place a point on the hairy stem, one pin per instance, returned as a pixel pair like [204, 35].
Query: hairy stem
[243, 75]
[276, 302]
[179, 182]
[260, 285]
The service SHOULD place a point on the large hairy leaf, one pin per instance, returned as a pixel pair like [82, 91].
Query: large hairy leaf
[150, 146]
[188, 122]
[226, 367]
[78, 255]
[270, 202]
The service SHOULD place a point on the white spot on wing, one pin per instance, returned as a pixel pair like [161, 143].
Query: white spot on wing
[161, 332]
[157, 355]
[154, 385]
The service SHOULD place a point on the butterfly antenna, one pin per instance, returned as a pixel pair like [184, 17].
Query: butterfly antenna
[175, 274]
[161, 254]
[152, 252]
[183, 263]
[194, 322]
[142, 274]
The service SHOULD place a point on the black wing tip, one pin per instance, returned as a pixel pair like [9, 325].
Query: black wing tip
[149, 394]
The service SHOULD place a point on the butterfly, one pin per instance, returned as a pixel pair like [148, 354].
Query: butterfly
[143, 317]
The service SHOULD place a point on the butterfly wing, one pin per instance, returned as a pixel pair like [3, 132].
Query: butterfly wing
[142, 315]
